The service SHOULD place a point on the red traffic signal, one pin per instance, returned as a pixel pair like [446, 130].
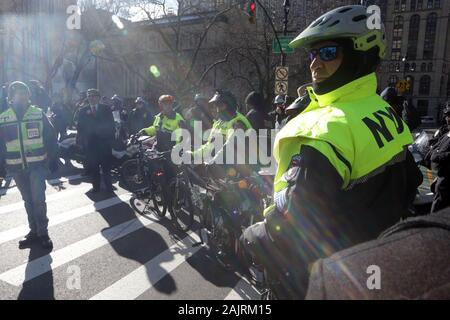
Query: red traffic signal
[252, 11]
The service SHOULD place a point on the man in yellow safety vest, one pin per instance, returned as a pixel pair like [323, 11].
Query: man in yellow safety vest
[28, 150]
[344, 171]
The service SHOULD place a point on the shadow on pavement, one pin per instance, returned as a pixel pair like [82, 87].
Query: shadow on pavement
[141, 245]
[40, 288]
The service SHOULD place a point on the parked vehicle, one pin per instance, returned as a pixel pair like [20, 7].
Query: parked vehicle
[424, 197]
[145, 177]
[122, 150]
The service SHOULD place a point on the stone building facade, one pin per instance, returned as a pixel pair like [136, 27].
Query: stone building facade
[418, 49]
[31, 38]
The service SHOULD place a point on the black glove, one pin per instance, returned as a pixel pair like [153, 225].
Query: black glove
[53, 165]
[276, 224]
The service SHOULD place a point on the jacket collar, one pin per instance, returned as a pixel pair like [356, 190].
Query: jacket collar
[20, 115]
[357, 89]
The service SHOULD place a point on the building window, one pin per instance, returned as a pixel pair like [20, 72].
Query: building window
[430, 35]
[410, 79]
[397, 44]
[395, 55]
[397, 38]
[397, 67]
[397, 5]
[413, 5]
[413, 36]
[437, 4]
[391, 67]
[423, 67]
[441, 87]
[422, 107]
[406, 68]
[393, 80]
[398, 33]
[403, 7]
[430, 67]
[424, 85]
[398, 27]
[413, 67]
[419, 4]
[430, 4]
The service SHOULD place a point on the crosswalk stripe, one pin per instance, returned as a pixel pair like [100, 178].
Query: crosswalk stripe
[28, 271]
[22, 230]
[145, 277]
[243, 291]
[52, 197]
[65, 179]
[50, 182]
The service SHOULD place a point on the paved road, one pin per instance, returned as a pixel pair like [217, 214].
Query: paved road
[105, 250]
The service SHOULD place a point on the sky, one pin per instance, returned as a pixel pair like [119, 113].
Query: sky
[140, 15]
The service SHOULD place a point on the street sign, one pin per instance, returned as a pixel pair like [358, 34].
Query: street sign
[281, 80]
[284, 40]
[282, 73]
[281, 87]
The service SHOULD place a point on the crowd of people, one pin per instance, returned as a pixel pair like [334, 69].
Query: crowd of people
[344, 173]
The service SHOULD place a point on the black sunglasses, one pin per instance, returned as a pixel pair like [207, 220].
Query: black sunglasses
[328, 53]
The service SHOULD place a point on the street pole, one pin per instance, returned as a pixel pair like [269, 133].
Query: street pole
[287, 7]
[272, 26]
[405, 59]
[404, 66]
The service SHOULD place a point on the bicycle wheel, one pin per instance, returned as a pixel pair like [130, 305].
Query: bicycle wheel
[182, 207]
[132, 176]
[159, 207]
[141, 206]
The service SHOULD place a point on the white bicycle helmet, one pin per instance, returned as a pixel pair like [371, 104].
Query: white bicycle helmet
[344, 22]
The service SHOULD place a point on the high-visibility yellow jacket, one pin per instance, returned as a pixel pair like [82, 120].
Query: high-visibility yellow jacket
[24, 139]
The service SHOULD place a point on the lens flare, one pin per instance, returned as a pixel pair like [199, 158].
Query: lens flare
[155, 71]
[96, 47]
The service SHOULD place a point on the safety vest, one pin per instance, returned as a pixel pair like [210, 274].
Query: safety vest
[166, 124]
[23, 138]
[352, 126]
[226, 127]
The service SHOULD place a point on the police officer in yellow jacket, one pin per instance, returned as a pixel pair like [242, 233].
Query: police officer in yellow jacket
[165, 123]
[344, 172]
[28, 149]
[228, 120]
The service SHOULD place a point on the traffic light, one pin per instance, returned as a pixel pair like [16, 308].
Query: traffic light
[252, 12]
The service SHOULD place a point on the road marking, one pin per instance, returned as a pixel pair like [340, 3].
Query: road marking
[243, 291]
[51, 183]
[65, 179]
[22, 230]
[145, 277]
[52, 197]
[28, 271]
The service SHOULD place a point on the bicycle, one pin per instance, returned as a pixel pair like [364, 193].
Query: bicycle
[229, 205]
[144, 176]
[184, 201]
